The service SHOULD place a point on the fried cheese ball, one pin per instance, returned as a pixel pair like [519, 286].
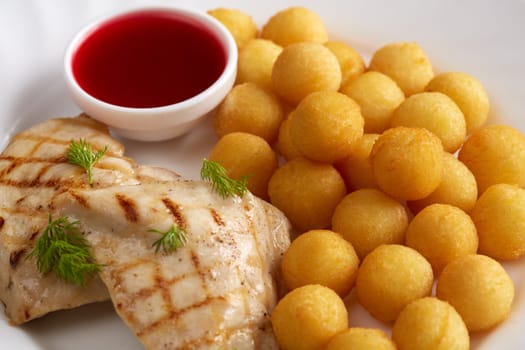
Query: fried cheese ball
[406, 63]
[240, 25]
[332, 262]
[325, 126]
[356, 168]
[499, 218]
[368, 218]
[467, 92]
[480, 290]
[495, 154]
[307, 192]
[350, 60]
[294, 25]
[442, 233]
[249, 108]
[389, 278]
[255, 63]
[357, 338]
[243, 154]
[407, 162]
[308, 317]
[436, 112]
[458, 187]
[378, 96]
[304, 68]
[431, 324]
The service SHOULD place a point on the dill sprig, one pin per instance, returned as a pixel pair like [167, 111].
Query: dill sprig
[64, 251]
[171, 240]
[81, 154]
[225, 186]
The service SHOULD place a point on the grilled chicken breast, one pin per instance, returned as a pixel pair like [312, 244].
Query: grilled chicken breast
[33, 170]
[215, 292]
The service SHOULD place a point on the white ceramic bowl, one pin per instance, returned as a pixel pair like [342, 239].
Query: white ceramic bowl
[155, 123]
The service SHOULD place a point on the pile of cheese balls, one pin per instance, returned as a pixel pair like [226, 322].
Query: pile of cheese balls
[390, 177]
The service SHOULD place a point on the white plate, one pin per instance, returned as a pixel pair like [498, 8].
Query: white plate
[483, 38]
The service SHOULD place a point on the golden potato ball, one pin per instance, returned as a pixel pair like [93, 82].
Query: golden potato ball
[304, 68]
[431, 324]
[458, 187]
[285, 145]
[255, 63]
[407, 162]
[442, 233]
[350, 60]
[378, 96]
[356, 168]
[495, 154]
[479, 288]
[325, 126]
[243, 154]
[307, 192]
[358, 338]
[499, 217]
[390, 277]
[249, 108]
[368, 218]
[294, 25]
[436, 112]
[406, 63]
[241, 25]
[467, 92]
[331, 262]
[308, 317]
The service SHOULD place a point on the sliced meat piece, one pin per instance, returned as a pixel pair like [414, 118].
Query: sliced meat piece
[33, 170]
[215, 292]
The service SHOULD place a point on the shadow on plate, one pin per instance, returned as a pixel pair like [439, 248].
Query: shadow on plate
[94, 326]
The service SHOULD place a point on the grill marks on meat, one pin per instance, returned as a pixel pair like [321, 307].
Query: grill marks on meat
[216, 292]
[175, 211]
[30, 156]
[216, 217]
[33, 171]
[14, 257]
[128, 206]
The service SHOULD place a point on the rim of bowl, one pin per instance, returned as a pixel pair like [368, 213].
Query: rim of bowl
[218, 29]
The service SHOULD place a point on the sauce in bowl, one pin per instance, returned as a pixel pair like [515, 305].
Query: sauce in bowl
[149, 58]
